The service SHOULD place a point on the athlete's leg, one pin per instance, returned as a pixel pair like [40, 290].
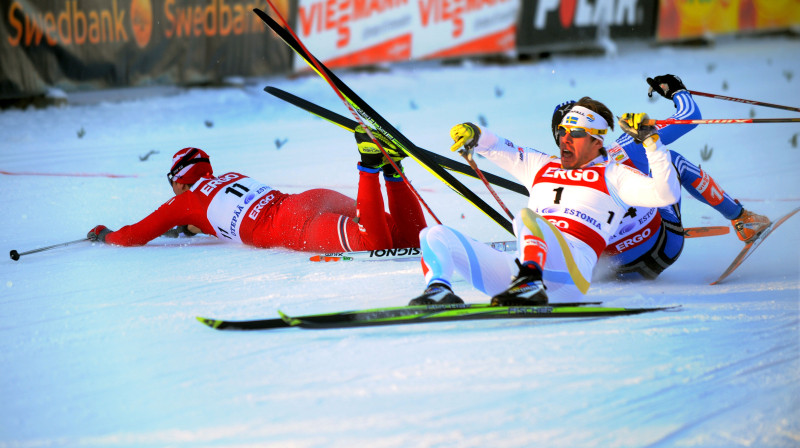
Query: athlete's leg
[369, 230]
[568, 262]
[407, 219]
[325, 220]
[446, 251]
[703, 188]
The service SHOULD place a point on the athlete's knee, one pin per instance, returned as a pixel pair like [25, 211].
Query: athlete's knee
[437, 235]
[527, 222]
[433, 232]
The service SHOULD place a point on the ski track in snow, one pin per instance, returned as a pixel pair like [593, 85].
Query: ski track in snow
[101, 346]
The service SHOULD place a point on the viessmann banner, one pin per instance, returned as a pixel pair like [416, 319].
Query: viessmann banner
[103, 43]
[361, 32]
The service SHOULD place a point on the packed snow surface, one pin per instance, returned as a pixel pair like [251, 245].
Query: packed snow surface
[100, 346]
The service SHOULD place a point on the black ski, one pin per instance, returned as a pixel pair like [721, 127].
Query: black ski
[380, 124]
[427, 313]
[461, 314]
[350, 125]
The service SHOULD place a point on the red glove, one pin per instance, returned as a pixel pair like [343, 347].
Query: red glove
[98, 233]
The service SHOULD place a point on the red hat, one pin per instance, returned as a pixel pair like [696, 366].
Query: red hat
[189, 165]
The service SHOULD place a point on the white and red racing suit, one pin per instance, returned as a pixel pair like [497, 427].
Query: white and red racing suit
[239, 209]
[583, 206]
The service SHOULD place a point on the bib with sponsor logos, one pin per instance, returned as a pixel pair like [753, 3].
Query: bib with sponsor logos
[637, 225]
[235, 199]
[591, 215]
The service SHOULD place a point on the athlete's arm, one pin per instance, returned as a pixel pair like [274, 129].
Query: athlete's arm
[523, 163]
[175, 212]
[685, 109]
[634, 188]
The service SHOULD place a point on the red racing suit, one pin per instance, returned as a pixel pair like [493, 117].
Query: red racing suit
[238, 209]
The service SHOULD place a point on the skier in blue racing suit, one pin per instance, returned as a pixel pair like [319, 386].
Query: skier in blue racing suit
[650, 240]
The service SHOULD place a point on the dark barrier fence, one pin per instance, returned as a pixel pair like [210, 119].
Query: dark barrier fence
[87, 44]
[79, 44]
[559, 25]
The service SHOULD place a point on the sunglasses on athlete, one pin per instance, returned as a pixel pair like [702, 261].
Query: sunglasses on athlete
[579, 132]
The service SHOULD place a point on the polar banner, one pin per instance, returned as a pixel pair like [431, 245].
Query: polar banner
[682, 19]
[363, 32]
[105, 43]
[557, 25]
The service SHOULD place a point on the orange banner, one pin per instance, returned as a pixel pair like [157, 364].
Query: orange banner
[686, 19]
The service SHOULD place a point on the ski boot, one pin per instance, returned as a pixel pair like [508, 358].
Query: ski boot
[437, 293]
[748, 225]
[527, 288]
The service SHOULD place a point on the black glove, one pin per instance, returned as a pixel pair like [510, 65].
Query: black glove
[633, 125]
[665, 85]
[98, 233]
[177, 231]
[558, 115]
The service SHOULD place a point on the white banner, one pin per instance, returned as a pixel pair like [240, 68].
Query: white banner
[361, 32]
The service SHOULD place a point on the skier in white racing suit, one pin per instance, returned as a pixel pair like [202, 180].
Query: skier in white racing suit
[649, 240]
[575, 204]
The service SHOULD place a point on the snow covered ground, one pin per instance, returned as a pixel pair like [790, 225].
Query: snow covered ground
[100, 346]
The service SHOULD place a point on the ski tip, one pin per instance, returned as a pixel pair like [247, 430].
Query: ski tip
[213, 323]
[328, 259]
[288, 319]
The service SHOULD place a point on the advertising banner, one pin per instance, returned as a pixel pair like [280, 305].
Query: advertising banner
[363, 32]
[690, 19]
[557, 25]
[102, 43]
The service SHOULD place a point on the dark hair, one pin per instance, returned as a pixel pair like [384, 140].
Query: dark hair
[598, 107]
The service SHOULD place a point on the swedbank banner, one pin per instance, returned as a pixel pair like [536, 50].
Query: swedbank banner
[102, 43]
[686, 19]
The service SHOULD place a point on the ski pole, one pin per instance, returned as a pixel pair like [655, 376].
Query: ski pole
[474, 166]
[349, 106]
[15, 255]
[722, 121]
[739, 100]
[699, 232]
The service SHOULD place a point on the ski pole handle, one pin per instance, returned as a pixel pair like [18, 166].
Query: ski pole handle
[15, 255]
[722, 121]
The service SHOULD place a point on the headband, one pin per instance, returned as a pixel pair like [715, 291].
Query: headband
[582, 117]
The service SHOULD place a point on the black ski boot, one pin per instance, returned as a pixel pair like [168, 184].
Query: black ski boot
[526, 289]
[437, 293]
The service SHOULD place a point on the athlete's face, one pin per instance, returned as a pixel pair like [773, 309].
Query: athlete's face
[179, 188]
[578, 151]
